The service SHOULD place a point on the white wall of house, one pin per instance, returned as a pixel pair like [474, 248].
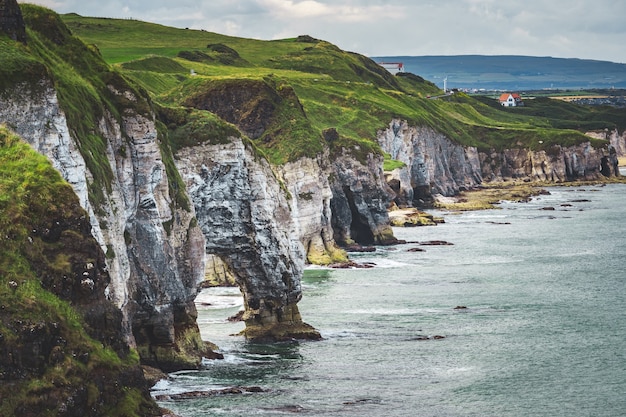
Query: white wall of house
[509, 102]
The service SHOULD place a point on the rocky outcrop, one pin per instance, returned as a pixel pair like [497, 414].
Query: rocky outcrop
[248, 104]
[11, 20]
[434, 164]
[360, 200]
[306, 181]
[154, 251]
[244, 214]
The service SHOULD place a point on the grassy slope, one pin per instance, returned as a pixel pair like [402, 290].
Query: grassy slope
[336, 88]
[83, 83]
[33, 196]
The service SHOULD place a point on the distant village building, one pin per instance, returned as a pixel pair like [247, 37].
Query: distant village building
[510, 100]
[392, 67]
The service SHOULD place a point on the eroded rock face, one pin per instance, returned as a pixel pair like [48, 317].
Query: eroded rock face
[154, 252]
[360, 200]
[618, 141]
[614, 137]
[559, 164]
[246, 221]
[307, 182]
[435, 164]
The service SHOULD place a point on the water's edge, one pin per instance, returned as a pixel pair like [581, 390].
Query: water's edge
[520, 317]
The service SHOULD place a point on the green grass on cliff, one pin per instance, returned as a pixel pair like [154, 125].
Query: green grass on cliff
[34, 196]
[18, 65]
[316, 86]
[560, 114]
[89, 90]
[336, 89]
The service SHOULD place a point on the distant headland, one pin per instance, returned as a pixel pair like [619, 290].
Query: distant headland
[513, 72]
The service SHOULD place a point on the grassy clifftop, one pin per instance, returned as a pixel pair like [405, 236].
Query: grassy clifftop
[335, 89]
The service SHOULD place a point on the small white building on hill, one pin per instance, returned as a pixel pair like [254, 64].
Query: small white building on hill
[392, 67]
[510, 100]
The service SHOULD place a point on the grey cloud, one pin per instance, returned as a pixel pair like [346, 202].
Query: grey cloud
[565, 28]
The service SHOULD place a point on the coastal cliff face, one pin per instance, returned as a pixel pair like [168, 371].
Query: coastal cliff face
[350, 208]
[360, 201]
[247, 223]
[436, 165]
[559, 164]
[307, 182]
[618, 141]
[62, 343]
[154, 252]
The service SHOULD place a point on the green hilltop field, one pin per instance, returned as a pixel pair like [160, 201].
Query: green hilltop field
[281, 94]
[335, 89]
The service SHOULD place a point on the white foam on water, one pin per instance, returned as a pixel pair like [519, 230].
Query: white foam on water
[219, 298]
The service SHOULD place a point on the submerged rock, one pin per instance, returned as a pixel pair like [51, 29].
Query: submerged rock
[352, 264]
[436, 243]
[210, 393]
[416, 250]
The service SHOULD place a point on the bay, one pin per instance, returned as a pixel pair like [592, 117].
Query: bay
[522, 316]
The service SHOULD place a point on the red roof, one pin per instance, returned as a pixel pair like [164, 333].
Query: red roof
[505, 96]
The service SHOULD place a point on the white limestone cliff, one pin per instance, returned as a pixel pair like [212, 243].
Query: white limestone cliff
[436, 165]
[247, 222]
[154, 272]
[307, 182]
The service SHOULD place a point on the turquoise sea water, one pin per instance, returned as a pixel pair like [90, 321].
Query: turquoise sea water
[543, 334]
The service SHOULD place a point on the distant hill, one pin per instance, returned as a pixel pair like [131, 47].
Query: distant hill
[511, 72]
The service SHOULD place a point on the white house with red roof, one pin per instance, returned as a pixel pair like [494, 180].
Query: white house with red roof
[510, 100]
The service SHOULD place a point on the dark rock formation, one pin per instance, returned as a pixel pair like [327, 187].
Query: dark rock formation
[210, 393]
[248, 104]
[435, 243]
[360, 201]
[415, 250]
[11, 21]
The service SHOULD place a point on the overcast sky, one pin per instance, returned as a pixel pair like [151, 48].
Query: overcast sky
[591, 29]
